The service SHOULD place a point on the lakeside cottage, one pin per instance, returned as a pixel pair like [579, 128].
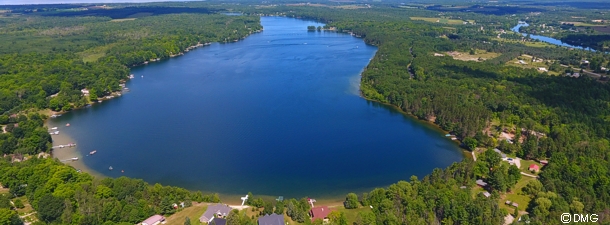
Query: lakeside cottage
[534, 168]
[481, 183]
[215, 211]
[154, 220]
[273, 219]
[320, 212]
[486, 194]
[502, 155]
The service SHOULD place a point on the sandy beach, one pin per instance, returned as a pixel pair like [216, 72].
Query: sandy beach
[70, 152]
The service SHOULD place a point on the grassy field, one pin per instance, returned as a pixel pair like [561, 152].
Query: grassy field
[352, 214]
[193, 212]
[438, 20]
[525, 165]
[93, 54]
[530, 65]
[121, 20]
[484, 55]
[517, 196]
[583, 24]
[538, 44]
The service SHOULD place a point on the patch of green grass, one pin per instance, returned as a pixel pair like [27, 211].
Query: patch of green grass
[93, 54]
[525, 165]
[438, 20]
[193, 212]
[352, 214]
[121, 20]
[517, 195]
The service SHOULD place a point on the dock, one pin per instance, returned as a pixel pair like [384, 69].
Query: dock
[64, 146]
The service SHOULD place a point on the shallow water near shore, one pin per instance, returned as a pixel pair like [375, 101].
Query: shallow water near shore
[277, 114]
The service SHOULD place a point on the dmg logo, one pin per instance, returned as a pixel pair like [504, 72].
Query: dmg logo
[578, 218]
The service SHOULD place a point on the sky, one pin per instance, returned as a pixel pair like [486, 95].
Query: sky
[23, 2]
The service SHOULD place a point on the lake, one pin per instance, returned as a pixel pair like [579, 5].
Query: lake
[547, 39]
[278, 114]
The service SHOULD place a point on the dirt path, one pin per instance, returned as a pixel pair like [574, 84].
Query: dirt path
[529, 175]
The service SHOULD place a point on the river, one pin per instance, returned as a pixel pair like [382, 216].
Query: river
[278, 113]
[547, 39]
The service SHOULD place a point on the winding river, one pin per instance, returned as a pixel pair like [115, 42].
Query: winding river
[278, 114]
[546, 39]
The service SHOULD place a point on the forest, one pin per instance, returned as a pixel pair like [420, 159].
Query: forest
[51, 58]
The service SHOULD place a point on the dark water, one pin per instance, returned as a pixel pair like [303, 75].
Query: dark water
[276, 114]
[547, 39]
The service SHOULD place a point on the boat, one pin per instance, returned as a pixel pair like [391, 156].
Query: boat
[54, 128]
[61, 146]
[56, 132]
[99, 101]
[67, 124]
[110, 168]
[74, 159]
[92, 152]
[131, 76]
[122, 171]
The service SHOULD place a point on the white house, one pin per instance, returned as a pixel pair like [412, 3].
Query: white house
[85, 92]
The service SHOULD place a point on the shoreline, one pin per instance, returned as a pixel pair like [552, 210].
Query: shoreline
[427, 123]
[70, 152]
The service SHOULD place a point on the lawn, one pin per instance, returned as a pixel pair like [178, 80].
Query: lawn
[482, 54]
[351, 214]
[93, 54]
[121, 20]
[525, 165]
[193, 212]
[438, 20]
[536, 44]
[517, 196]
[530, 65]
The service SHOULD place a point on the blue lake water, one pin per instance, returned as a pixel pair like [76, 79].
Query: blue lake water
[547, 39]
[278, 113]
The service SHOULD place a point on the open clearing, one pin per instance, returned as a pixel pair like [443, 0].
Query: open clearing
[121, 20]
[517, 196]
[480, 55]
[438, 20]
[93, 54]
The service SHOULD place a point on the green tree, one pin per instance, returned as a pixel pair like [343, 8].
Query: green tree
[187, 221]
[18, 204]
[9, 217]
[233, 217]
[471, 143]
[50, 208]
[268, 208]
[351, 201]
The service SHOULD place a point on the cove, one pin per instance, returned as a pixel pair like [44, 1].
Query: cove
[278, 113]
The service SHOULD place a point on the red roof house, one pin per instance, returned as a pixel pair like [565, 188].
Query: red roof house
[534, 168]
[319, 213]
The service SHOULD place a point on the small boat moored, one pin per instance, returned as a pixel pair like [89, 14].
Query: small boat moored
[92, 152]
[110, 168]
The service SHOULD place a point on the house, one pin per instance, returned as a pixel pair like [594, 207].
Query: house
[514, 204]
[544, 162]
[220, 221]
[273, 219]
[508, 202]
[215, 211]
[85, 91]
[154, 220]
[502, 155]
[319, 213]
[543, 69]
[486, 194]
[481, 183]
[534, 168]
